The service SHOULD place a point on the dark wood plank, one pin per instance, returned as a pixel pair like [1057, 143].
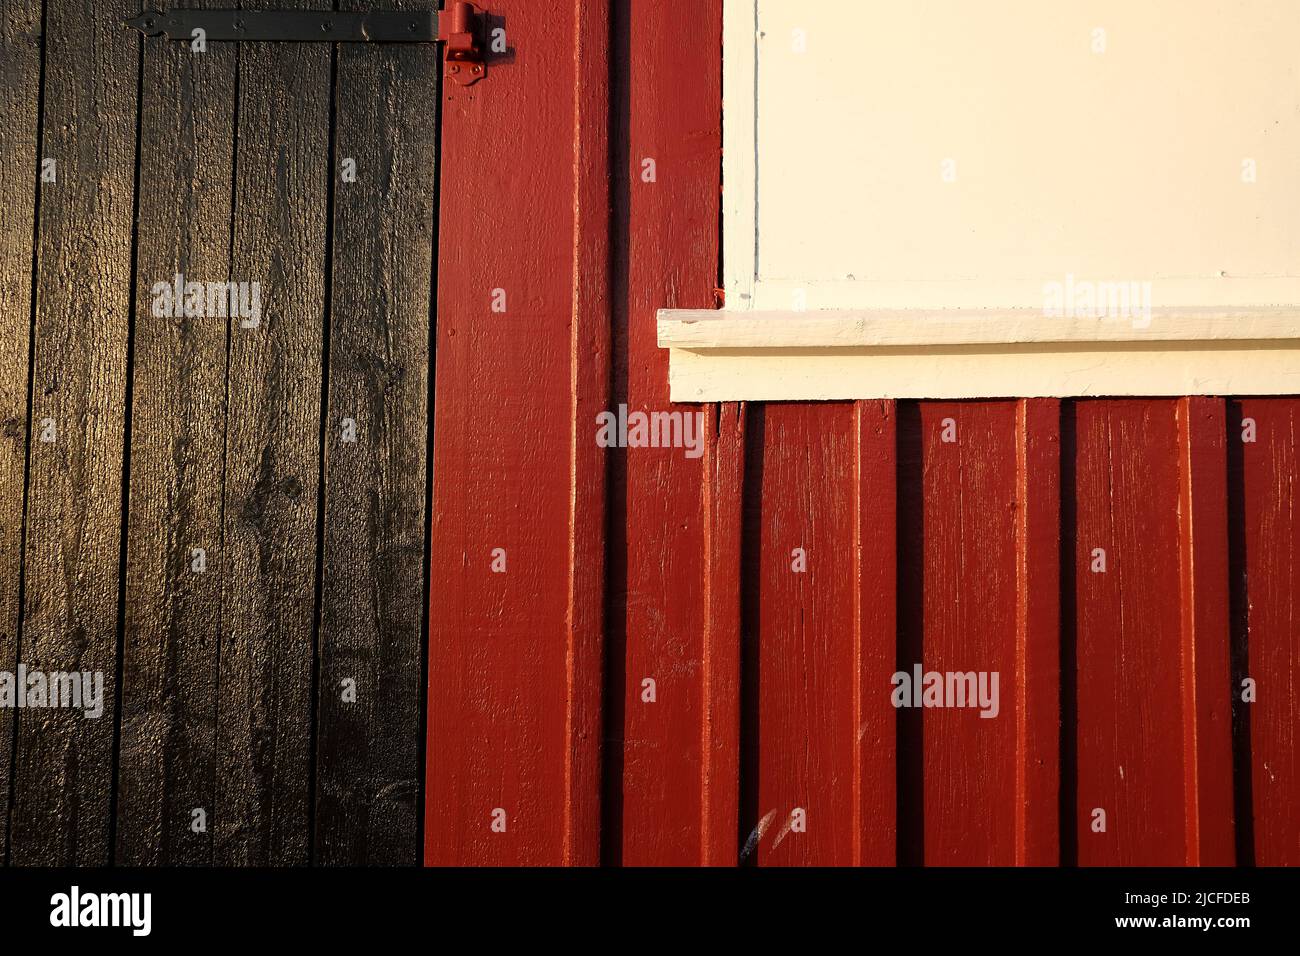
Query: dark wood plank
[172, 624]
[63, 771]
[368, 748]
[513, 653]
[273, 457]
[675, 595]
[20, 71]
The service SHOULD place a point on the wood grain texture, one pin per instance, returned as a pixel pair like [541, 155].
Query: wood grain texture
[1205, 666]
[1129, 725]
[368, 751]
[273, 457]
[513, 657]
[679, 512]
[1153, 739]
[1271, 533]
[20, 77]
[721, 665]
[172, 623]
[970, 596]
[875, 623]
[1038, 632]
[63, 770]
[808, 687]
[590, 342]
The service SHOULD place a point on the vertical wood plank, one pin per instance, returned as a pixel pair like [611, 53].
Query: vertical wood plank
[590, 370]
[970, 624]
[1153, 745]
[518, 357]
[980, 519]
[809, 691]
[1128, 640]
[875, 621]
[1269, 465]
[63, 770]
[376, 433]
[273, 457]
[723, 529]
[20, 78]
[675, 568]
[1038, 632]
[1206, 658]
[172, 623]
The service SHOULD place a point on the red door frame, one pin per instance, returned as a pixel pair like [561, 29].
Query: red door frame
[516, 719]
[516, 609]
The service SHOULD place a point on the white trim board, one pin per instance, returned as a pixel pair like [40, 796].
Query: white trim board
[727, 356]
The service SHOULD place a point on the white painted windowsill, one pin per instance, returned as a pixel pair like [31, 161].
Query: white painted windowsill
[978, 353]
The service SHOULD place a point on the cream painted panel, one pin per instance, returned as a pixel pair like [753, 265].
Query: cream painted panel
[1019, 371]
[1119, 165]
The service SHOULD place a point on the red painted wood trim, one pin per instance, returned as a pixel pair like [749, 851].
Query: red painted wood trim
[1038, 631]
[875, 622]
[723, 520]
[514, 657]
[1271, 532]
[590, 365]
[676, 584]
[1206, 664]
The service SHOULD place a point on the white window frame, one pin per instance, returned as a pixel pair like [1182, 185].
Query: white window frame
[750, 351]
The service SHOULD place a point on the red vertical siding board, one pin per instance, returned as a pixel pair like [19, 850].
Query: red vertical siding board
[971, 583]
[674, 502]
[1038, 634]
[1154, 717]
[723, 521]
[807, 681]
[589, 363]
[1206, 657]
[875, 621]
[511, 655]
[1128, 632]
[1272, 543]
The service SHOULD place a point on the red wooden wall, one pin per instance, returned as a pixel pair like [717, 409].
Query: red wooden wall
[1117, 687]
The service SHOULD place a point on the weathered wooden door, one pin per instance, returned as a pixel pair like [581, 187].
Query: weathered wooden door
[224, 514]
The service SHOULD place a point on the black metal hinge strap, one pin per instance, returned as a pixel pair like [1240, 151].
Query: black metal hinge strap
[293, 26]
[459, 27]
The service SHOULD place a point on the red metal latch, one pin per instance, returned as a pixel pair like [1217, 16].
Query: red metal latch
[459, 25]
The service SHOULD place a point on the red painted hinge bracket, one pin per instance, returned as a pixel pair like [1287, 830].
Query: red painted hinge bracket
[460, 28]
